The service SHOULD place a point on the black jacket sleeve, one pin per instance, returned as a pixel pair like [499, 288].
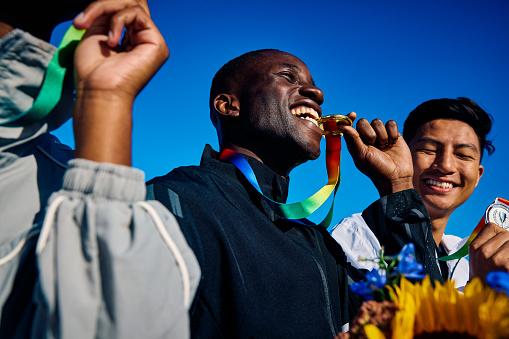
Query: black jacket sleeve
[399, 219]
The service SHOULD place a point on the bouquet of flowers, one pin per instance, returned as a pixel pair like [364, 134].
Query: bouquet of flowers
[403, 303]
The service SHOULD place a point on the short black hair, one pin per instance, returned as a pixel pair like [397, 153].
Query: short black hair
[229, 75]
[462, 109]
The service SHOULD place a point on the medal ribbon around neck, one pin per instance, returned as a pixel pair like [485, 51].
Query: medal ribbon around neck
[463, 251]
[306, 207]
[53, 83]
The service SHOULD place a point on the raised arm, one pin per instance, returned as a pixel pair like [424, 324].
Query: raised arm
[109, 75]
[399, 216]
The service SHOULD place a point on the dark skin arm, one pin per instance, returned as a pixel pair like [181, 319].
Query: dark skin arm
[380, 153]
[108, 78]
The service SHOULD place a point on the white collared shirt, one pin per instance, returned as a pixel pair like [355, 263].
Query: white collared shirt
[360, 245]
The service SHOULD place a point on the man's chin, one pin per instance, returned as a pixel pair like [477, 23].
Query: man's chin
[314, 155]
[309, 153]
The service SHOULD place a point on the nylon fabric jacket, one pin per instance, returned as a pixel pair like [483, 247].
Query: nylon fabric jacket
[263, 276]
[106, 263]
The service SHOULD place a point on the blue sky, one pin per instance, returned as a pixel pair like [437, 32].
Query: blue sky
[377, 58]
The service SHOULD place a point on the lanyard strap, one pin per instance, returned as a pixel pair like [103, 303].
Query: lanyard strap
[463, 251]
[306, 207]
[53, 83]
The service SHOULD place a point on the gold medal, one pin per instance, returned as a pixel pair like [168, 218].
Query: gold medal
[330, 123]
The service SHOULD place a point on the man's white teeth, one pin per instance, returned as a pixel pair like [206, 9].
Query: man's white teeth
[310, 119]
[440, 184]
[306, 113]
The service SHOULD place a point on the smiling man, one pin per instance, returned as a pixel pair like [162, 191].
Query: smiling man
[265, 276]
[447, 139]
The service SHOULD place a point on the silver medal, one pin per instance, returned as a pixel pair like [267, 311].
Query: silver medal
[498, 213]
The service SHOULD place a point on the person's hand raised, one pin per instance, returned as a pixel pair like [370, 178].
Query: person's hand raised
[103, 63]
[380, 152]
[110, 73]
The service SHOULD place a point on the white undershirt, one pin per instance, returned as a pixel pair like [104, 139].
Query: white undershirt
[360, 243]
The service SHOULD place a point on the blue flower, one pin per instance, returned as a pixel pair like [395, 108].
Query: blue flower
[407, 265]
[499, 281]
[374, 281]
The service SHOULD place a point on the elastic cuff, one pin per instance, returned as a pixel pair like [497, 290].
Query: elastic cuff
[400, 206]
[105, 180]
[405, 204]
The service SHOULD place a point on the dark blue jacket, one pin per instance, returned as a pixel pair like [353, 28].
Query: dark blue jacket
[263, 276]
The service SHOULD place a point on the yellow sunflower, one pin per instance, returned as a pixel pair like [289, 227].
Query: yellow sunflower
[427, 311]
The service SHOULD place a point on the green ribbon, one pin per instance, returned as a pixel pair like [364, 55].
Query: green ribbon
[53, 83]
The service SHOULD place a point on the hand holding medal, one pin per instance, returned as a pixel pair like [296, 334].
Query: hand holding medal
[379, 151]
[488, 245]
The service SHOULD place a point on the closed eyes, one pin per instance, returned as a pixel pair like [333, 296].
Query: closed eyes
[289, 76]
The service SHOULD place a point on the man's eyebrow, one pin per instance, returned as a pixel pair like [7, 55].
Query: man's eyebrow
[472, 146]
[427, 139]
[290, 65]
[434, 141]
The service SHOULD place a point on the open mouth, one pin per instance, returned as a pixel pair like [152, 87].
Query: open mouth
[306, 113]
[440, 185]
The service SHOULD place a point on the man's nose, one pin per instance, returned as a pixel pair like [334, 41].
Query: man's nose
[312, 92]
[445, 162]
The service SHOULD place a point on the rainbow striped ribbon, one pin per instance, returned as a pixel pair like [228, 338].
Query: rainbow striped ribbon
[305, 208]
[53, 83]
[463, 251]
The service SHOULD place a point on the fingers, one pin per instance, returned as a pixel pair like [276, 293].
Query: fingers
[366, 132]
[392, 131]
[370, 134]
[355, 144]
[500, 258]
[382, 138]
[135, 18]
[489, 251]
[377, 134]
[488, 232]
[493, 245]
[110, 17]
[102, 10]
[352, 116]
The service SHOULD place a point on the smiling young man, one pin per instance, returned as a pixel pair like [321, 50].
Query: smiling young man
[447, 138]
[265, 276]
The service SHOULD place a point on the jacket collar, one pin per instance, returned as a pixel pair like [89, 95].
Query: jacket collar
[272, 184]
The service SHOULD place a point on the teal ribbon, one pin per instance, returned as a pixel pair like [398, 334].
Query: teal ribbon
[53, 83]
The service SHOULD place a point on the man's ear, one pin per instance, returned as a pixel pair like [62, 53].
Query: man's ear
[481, 172]
[227, 105]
